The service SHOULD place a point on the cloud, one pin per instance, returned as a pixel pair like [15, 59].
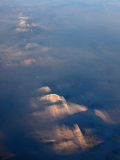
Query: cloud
[15, 57]
[45, 49]
[43, 27]
[55, 106]
[111, 116]
[44, 89]
[53, 98]
[41, 49]
[46, 61]
[29, 61]
[31, 45]
[23, 18]
[67, 140]
[47, 110]
[22, 30]
[72, 139]
[23, 25]
[103, 115]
